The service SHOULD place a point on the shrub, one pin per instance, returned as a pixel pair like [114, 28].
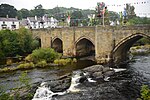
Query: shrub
[74, 60]
[41, 63]
[47, 54]
[24, 79]
[5, 96]
[145, 92]
[28, 58]
[64, 61]
[7, 69]
[25, 65]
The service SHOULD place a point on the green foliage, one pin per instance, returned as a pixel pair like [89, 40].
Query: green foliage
[3, 95]
[145, 92]
[8, 69]
[143, 41]
[38, 11]
[41, 63]
[26, 65]
[6, 96]
[74, 60]
[138, 20]
[47, 54]
[6, 9]
[15, 43]
[23, 13]
[114, 16]
[64, 61]
[130, 11]
[24, 79]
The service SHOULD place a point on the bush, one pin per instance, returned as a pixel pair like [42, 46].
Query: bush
[7, 69]
[41, 63]
[26, 65]
[24, 79]
[5, 96]
[145, 92]
[47, 54]
[64, 61]
[74, 60]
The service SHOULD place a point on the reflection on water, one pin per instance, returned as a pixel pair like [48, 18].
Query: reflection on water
[79, 65]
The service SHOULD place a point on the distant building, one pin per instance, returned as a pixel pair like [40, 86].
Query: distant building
[9, 23]
[37, 23]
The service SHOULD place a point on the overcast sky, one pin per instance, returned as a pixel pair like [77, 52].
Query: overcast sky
[114, 5]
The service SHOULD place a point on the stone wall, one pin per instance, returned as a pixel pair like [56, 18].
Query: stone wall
[110, 42]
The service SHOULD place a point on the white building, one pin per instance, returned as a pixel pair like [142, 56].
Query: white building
[37, 23]
[9, 23]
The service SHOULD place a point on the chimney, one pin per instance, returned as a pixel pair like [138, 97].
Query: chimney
[7, 16]
[35, 17]
[16, 17]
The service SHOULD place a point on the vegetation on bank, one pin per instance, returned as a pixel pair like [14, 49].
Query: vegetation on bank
[16, 93]
[42, 57]
[145, 93]
[140, 50]
[47, 54]
[65, 61]
[14, 43]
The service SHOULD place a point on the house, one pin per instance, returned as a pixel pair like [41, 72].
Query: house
[41, 22]
[9, 23]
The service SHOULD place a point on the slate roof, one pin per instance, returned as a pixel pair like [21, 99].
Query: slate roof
[24, 22]
[8, 19]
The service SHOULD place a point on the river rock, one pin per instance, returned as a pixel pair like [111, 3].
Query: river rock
[98, 75]
[94, 68]
[98, 71]
[106, 69]
[83, 79]
[60, 85]
[109, 73]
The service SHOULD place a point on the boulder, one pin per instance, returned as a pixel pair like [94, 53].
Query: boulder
[83, 79]
[98, 71]
[97, 75]
[60, 85]
[109, 73]
[105, 69]
[94, 68]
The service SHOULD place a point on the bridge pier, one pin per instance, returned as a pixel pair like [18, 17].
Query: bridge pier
[110, 43]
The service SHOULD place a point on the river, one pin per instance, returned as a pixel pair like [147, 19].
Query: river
[124, 85]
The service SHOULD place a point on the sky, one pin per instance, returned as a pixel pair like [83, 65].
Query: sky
[141, 9]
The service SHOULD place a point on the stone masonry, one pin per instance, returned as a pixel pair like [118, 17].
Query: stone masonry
[111, 42]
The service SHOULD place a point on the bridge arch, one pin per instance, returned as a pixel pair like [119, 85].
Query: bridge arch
[121, 49]
[57, 45]
[38, 39]
[84, 46]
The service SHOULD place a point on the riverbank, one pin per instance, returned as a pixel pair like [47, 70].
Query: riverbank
[140, 50]
[122, 85]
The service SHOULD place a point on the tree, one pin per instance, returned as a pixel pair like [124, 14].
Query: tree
[24, 13]
[8, 43]
[38, 11]
[14, 43]
[76, 17]
[138, 20]
[6, 9]
[113, 16]
[130, 11]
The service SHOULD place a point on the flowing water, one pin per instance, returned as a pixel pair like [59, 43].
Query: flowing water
[124, 85]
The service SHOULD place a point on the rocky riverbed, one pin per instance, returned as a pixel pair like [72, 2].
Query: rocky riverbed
[106, 85]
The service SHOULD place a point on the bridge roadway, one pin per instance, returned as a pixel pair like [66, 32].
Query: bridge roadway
[109, 43]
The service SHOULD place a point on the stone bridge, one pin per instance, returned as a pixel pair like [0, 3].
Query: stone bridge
[109, 43]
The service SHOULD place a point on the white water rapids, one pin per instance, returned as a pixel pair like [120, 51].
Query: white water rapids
[44, 92]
